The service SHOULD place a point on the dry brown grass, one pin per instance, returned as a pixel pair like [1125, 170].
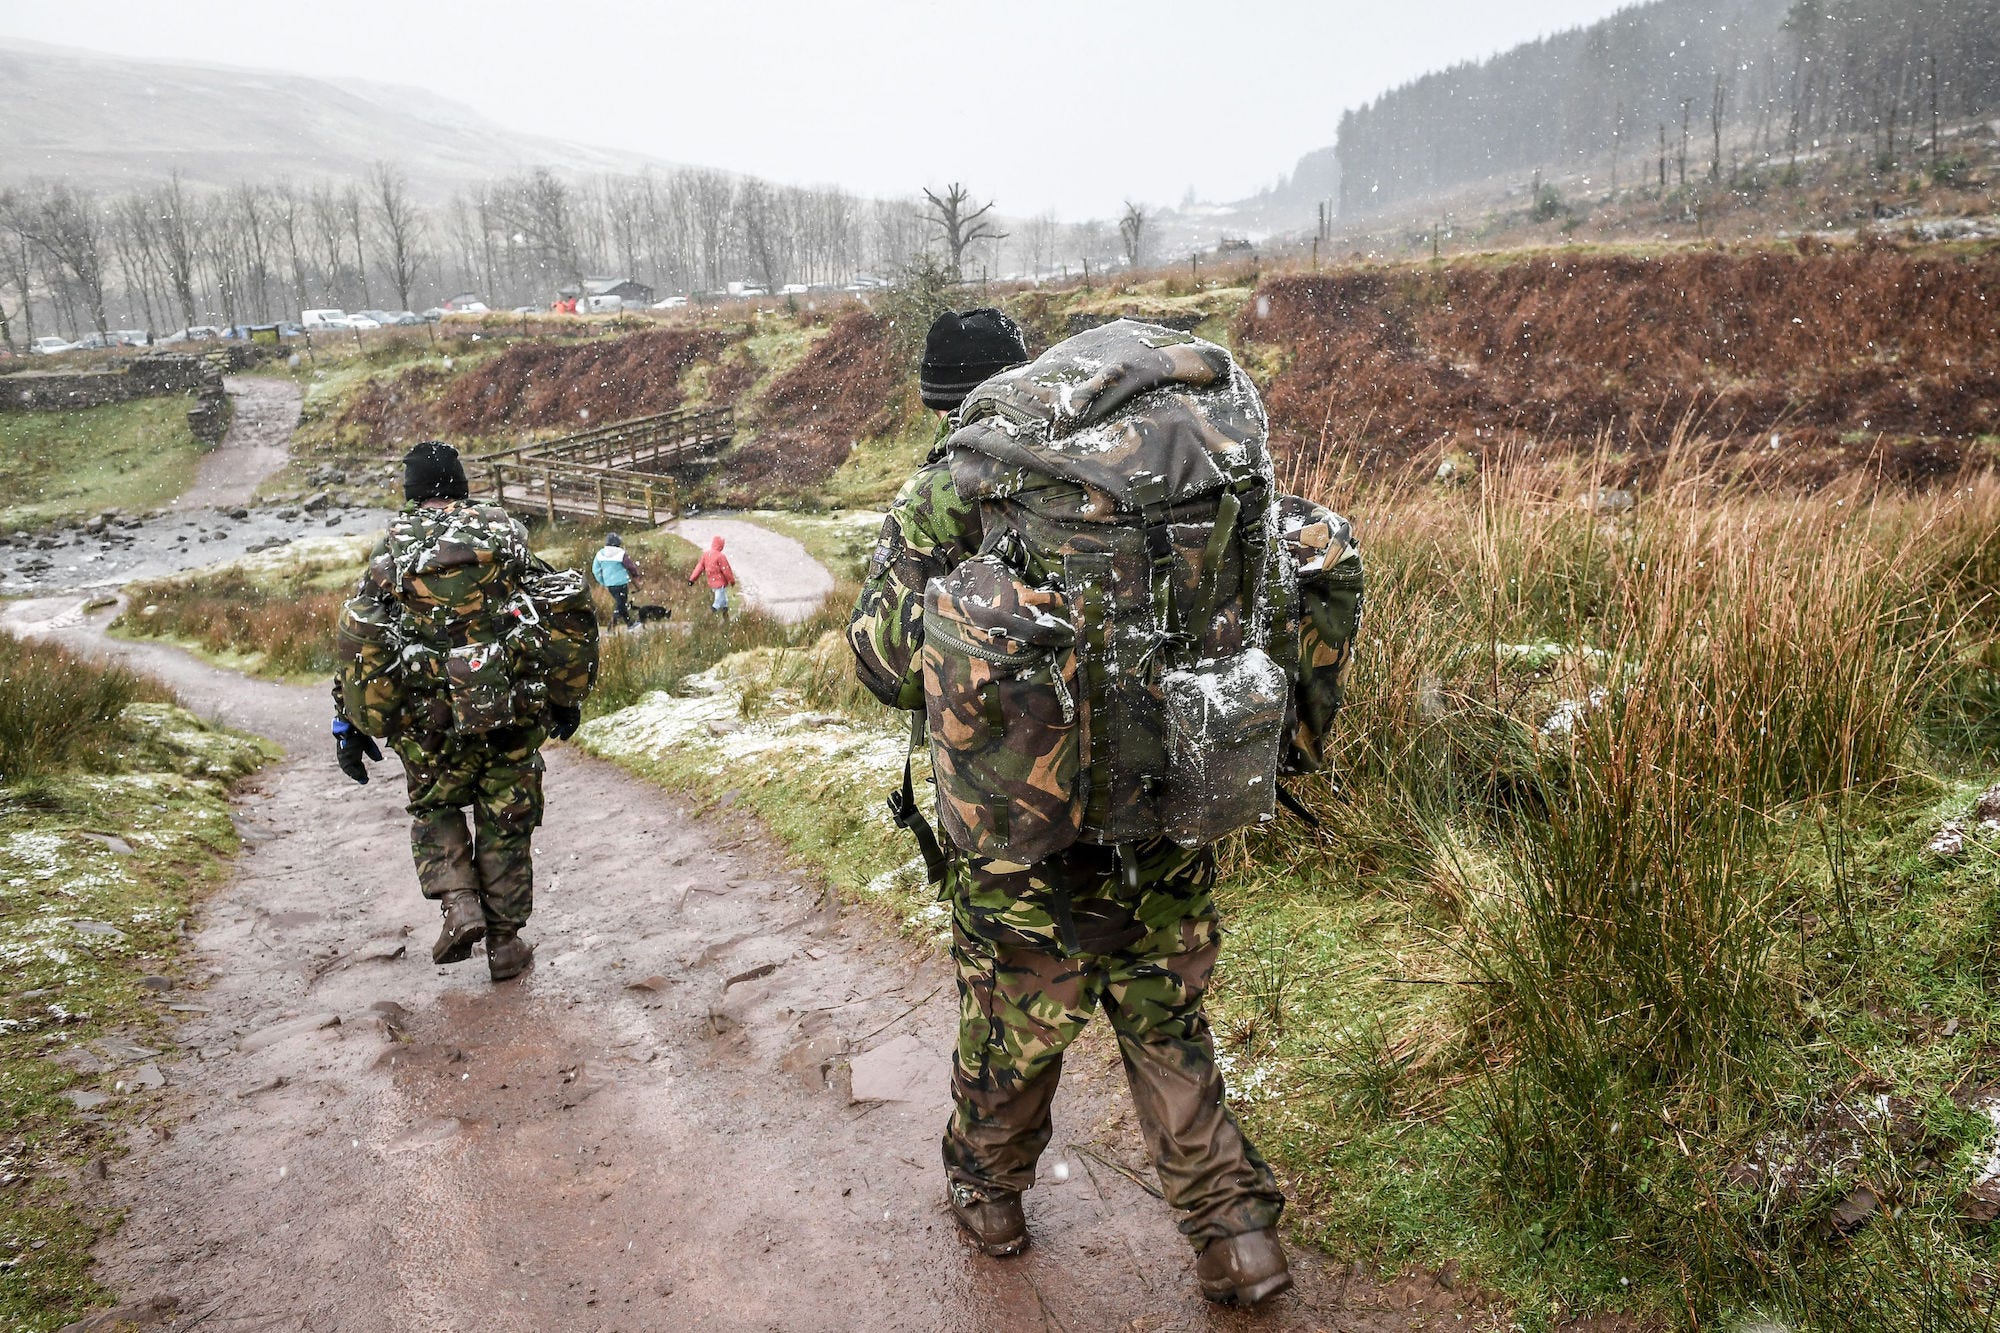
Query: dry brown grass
[1829, 350]
[535, 386]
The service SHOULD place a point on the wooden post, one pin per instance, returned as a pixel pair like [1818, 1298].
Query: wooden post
[499, 486]
[652, 517]
[600, 497]
[549, 492]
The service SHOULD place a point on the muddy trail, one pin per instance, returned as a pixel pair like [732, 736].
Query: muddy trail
[775, 573]
[713, 1104]
[257, 444]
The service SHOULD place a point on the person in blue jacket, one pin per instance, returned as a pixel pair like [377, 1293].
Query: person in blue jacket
[615, 570]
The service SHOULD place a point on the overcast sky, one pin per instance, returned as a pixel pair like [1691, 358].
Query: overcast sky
[1039, 104]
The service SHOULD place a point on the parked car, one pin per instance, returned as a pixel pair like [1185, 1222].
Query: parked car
[130, 337]
[670, 303]
[465, 308]
[527, 310]
[94, 342]
[324, 319]
[363, 322]
[434, 314]
[49, 345]
[196, 333]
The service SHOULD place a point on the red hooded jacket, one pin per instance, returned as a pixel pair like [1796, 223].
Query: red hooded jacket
[714, 564]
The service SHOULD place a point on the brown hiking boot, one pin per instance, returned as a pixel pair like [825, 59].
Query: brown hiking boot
[508, 956]
[995, 1225]
[464, 926]
[1243, 1270]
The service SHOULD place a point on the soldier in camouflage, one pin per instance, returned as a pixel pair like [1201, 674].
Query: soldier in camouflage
[1038, 946]
[450, 563]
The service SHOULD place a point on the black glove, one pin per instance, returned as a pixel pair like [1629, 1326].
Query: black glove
[564, 719]
[348, 747]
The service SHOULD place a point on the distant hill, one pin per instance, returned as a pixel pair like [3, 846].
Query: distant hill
[1679, 82]
[113, 123]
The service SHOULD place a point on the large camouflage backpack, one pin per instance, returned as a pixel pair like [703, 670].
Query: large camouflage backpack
[458, 629]
[1116, 663]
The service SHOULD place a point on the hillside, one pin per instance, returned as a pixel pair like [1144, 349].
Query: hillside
[1674, 91]
[112, 123]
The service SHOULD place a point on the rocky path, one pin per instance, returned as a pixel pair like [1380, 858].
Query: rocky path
[257, 445]
[212, 521]
[714, 1104]
[776, 573]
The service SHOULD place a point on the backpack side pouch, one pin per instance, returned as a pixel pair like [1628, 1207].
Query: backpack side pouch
[561, 641]
[483, 695]
[1000, 692]
[370, 642]
[1225, 732]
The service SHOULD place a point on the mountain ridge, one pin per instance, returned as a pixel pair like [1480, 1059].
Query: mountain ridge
[120, 122]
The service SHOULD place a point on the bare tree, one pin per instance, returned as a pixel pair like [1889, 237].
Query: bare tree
[757, 223]
[1132, 233]
[175, 229]
[290, 217]
[959, 224]
[352, 212]
[67, 226]
[538, 212]
[329, 240]
[1043, 233]
[14, 255]
[398, 226]
[708, 196]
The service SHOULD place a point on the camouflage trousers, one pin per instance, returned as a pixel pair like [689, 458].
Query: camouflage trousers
[1146, 953]
[500, 776]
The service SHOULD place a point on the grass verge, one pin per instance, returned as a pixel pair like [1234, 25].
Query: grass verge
[70, 464]
[105, 849]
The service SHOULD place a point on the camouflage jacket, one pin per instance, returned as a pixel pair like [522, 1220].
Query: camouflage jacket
[444, 567]
[930, 529]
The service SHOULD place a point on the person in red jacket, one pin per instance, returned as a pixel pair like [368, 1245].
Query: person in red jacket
[715, 565]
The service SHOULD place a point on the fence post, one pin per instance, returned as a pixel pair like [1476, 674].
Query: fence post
[499, 485]
[549, 492]
[652, 517]
[600, 498]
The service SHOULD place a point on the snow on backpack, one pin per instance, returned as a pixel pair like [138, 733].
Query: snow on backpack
[1113, 665]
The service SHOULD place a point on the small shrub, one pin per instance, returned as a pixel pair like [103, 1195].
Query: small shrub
[59, 711]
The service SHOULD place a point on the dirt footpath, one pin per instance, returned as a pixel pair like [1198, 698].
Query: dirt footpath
[257, 445]
[655, 1129]
[775, 573]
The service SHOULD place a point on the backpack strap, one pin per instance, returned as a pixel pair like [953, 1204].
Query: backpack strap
[903, 810]
[1227, 511]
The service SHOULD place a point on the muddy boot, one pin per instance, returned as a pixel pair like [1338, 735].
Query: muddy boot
[1243, 1270]
[996, 1224]
[464, 926]
[507, 956]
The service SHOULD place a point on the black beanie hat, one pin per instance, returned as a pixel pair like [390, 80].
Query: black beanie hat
[961, 350]
[431, 471]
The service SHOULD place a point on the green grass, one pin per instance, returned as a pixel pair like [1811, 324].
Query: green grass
[71, 464]
[156, 779]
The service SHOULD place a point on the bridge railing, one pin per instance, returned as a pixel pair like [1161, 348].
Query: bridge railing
[573, 490]
[652, 444]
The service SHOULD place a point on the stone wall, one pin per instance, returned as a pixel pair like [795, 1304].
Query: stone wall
[142, 377]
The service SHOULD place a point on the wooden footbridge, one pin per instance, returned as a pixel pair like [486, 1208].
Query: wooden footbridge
[630, 471]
